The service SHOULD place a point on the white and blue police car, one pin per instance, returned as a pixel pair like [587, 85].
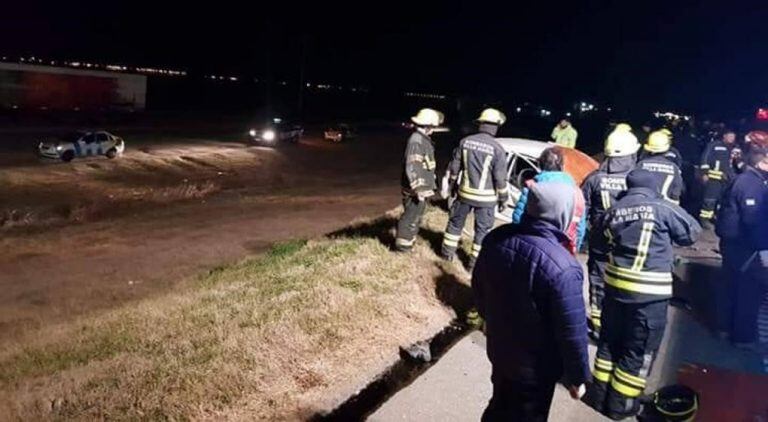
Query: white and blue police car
[82, 144]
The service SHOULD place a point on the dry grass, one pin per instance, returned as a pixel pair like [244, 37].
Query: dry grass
[279, 336]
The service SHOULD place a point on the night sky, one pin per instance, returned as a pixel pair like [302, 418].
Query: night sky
[687, 55]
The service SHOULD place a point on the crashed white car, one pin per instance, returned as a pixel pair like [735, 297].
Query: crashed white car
[82, 144]
[523, 164]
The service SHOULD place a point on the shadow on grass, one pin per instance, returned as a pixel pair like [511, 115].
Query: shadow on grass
[380, 229]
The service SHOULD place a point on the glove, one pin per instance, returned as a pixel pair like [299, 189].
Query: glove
[763, 257]
[502, 206]
[423, 195]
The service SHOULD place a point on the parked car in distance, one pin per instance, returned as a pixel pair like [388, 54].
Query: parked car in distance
[82, 144]
[274, 132]
[339, 133]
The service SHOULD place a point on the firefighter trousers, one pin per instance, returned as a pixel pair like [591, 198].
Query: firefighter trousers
[630, 337]
[484, 219]
[713, 189]
[408, 225]
[596, 269]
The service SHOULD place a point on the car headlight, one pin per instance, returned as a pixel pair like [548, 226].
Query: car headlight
[268, 135]
[252, 132]
[59, 148]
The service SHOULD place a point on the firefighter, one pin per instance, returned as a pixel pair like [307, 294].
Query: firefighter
[669, 178]
[743, 230]
[600, 189]
[640, 230]
[481, 162]
[716, 167]
[418, 178]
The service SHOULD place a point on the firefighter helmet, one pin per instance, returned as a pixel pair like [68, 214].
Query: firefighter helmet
[493, 116]
[623, 127]
[658, 142]
[621, 143]
[428, 117]
[758, 138]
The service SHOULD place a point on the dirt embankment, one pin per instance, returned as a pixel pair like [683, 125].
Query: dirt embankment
[144, 225]
[276, 337]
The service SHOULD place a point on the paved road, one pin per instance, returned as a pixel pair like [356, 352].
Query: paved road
[457, 387]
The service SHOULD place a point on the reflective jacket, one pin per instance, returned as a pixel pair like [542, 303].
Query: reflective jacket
[667, 175]
[565, 136]
[743, 214]
[640, 229]
[600, 189]
[717, 159]
[482, 163]
[419, 165]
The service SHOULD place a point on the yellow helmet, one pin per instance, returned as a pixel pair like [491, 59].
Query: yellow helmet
[623, 127]
[491, 115]
[658, 141]
[428, 117]
[621, 143]
[666, 131]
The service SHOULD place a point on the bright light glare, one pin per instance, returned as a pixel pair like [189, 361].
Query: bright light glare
[252, 132]
[269, 135]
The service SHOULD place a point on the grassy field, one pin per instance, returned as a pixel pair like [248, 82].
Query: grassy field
[278, 336]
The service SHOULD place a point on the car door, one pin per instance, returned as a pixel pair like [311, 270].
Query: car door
[86, 144]
[101, 144]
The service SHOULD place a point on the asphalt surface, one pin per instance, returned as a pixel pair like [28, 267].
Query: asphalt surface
[458, 387]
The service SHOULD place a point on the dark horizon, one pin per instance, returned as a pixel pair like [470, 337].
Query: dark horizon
[695, 58]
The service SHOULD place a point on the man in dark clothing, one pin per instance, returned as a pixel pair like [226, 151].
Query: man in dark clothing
[418, 178]
[482, 164]
[742, 226]
[601, 189]
[717, 170]
[528, 288]
[669, 178]
[640, 230]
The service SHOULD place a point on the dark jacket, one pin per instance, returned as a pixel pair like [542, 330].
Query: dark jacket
[601, 189]
[640, 229]
[528, 288]
[743, 215]
[482, 163]
[716, 161]
[668, 176]
[419, 165]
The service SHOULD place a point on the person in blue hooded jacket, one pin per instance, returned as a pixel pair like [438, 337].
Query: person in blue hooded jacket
[528, 288]
[552, 163]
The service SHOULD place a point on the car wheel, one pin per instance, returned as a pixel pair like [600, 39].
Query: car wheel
[112, 153]
[67, 156]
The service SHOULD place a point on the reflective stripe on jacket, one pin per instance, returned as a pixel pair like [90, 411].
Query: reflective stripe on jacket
[419, 165]
[667, 174]
[716, 161]
[640, 229]
[483, 166]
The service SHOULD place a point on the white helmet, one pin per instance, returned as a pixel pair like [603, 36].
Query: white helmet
[428, 117]
[493, 116]
[621, 143]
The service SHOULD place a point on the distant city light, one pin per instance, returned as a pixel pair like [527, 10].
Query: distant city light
[422, 95]
[585, 107]
[670, 116]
